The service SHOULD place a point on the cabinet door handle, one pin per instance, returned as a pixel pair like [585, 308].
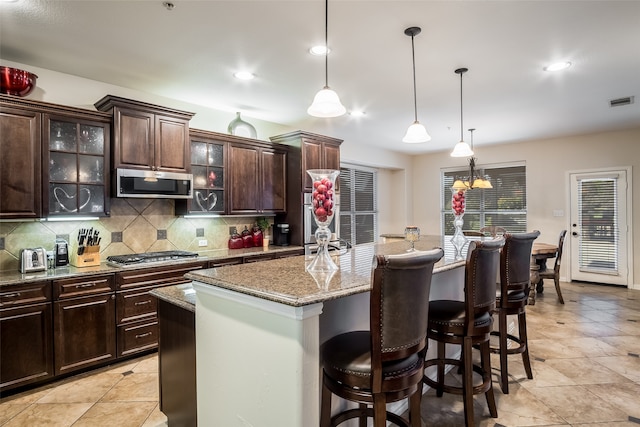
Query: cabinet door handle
[142, 302]
[85, 285]
[144, 335]
[13, 295]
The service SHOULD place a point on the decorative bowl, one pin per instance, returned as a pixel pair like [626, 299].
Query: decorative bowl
[16, 82]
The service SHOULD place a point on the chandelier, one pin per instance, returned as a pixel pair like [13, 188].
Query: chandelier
[473, 180]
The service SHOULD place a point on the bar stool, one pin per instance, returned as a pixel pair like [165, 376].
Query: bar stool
[511, 299]
[385, 363]
[468, 323]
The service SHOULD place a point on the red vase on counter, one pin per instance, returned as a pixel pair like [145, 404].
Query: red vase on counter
[235, 241]
[247, 238]
[257, 236]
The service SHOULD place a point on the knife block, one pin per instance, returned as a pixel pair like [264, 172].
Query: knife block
[89, 258]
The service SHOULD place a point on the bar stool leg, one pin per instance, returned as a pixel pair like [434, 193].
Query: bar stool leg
[325, 408]
[504, 372]
[522, 327]
[485, 355]
[467, 380]
[440, 366]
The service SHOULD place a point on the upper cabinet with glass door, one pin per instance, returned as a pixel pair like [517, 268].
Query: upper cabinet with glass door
[77, 166]
[208, 154]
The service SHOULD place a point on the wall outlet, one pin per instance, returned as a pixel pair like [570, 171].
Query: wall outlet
[202, 242]
[558, 212]
[232, 230]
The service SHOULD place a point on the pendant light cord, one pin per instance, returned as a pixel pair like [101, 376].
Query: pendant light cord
[415, 98]
[461, 126]
[326, 43]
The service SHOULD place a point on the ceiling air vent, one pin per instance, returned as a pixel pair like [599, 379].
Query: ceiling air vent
[621, 101]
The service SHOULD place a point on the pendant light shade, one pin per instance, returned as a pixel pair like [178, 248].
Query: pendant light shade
[416, 132]
[461, 149]
[326, 103]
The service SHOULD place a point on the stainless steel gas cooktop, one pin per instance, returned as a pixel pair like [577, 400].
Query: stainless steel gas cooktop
[147, 257]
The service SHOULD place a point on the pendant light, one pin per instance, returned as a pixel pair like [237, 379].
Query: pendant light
[472, 181]
[326, 103]
[461, 149]
[416, 132]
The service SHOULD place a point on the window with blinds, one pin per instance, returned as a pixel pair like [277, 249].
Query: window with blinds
[598, 225]
[358, 208]
[504, 205]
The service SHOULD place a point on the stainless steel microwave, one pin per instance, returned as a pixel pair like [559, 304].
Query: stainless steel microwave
[153, 184]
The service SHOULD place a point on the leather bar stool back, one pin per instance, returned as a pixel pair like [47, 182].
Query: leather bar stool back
[511, 299]
[385, 363]
[468, 323]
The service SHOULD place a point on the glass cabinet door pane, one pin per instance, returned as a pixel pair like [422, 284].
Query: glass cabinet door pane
[91, 139]
[207, 201]
[199, 176]
[62, 167]
[91, 199]
[215, 178]
[91, 168]
[62, 136]
[198, 153]
[63, 198]
[216, 154]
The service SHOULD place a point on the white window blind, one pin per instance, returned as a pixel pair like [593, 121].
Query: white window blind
[504, 205]
[598, 225]
[358, 209]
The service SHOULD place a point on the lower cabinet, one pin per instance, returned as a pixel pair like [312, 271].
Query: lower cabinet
[136, 309]
[26, 335]
[83, 322]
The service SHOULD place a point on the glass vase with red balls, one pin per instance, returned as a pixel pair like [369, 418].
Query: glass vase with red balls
[457, 206]
[323, 209]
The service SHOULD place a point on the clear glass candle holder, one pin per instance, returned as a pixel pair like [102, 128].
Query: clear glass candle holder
[323, 210]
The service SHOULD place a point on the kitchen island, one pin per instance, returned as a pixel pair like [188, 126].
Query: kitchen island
[259, 329]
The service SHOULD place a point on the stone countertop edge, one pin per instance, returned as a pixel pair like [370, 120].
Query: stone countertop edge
[182, 295]
[12, 277]
[286, 280]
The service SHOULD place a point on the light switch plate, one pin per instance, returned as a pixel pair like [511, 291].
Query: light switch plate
[202, 242]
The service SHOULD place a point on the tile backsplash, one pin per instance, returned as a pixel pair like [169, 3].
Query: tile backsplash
[138, 225]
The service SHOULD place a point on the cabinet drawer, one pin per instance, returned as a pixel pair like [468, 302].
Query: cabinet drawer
[82, 286]
[25, 293]
[258, 258]
[135, 305]
[137, 337]
[157, 276]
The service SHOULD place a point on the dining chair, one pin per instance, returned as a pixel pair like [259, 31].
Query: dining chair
[386, 363]
[555, 273]
[467, 323]
[511, 300]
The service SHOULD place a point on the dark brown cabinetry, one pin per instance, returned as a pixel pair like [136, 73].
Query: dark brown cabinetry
[177, 364]
[316, 152]
[309, 151]
[53, 159]
[257, 179]
[136, 309]
[208, 166]
[26, 334]
[147, 136]
[20, 163]
[76, 153]
[84, 322]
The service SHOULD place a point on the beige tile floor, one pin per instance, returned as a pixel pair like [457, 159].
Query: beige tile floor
[585, 360]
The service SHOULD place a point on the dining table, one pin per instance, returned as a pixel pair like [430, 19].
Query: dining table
[540, 253]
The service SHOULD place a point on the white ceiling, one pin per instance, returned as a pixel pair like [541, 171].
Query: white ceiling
[189, 53]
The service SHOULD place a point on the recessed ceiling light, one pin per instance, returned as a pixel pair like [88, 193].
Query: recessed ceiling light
[356, 113]
[558, 66]
[244, 75]
[319, 50]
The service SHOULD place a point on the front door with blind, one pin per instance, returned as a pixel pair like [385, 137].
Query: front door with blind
[599, 229]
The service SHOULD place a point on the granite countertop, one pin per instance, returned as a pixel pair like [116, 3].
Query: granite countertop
[11, 277]
[182, 295]
[286, 280]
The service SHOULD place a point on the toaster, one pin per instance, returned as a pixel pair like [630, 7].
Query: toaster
[33, 259]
